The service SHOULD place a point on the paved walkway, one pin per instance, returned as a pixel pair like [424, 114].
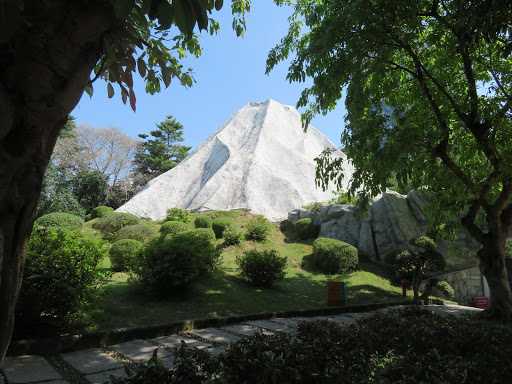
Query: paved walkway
[94, 366]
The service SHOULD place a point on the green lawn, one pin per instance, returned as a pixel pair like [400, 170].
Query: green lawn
[225, 292]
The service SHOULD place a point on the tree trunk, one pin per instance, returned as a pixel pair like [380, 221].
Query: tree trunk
[492, 266]
[45, 69]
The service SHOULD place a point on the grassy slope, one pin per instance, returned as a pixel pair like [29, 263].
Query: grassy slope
[224, 292]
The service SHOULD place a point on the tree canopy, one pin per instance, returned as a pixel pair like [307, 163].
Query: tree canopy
[158, 155]
[428, 96]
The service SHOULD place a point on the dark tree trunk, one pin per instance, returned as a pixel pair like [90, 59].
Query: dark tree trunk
[45, 68]
[492, 266]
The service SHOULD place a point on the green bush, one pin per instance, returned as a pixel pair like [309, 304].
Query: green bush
[232, 237]
[332, 256]
[173, 262]
[313, 207]
[206, 233]
[61, 275]
[263, 268]
[60, 220]
[306, 229]
[446, 289]
[142, 233]
[173, 228]
[258, 228]
[122, 252]
[409, 346]
[220, 224]
[101, 211]
[88, 217]
[113, 222]
[177, 214]
[203, 221]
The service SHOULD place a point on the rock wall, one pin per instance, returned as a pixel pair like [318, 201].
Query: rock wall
[467, 283]
[391, 221]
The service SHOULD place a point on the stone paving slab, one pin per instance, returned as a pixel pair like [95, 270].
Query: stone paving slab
[288, 322]
[91, 361]
[29, 369]
[271, 326]
[215, 335]
[341, 319]
[139, 350]
[246, 330]
[456, 310]
[175, 341]
[100, 378]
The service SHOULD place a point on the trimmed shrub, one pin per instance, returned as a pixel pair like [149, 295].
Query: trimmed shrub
[220, 224]
[122, 252]
[232, 237]
[142, 233]
[173, 228]
[113, 222]
[306, 229]
[263, 268]
[177, 214]
[258, 228]
[88, 217]
[332, 256]
[203, 221]
[101, 211]
[60, 220]
[173, 262]
[446, 289]
[61, 275]
[206, 233]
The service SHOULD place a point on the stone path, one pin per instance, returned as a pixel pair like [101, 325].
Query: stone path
[94, 366]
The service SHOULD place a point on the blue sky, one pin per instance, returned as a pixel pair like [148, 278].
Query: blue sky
[229, 74]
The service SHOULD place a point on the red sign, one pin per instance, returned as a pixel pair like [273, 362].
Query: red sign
[481, 302]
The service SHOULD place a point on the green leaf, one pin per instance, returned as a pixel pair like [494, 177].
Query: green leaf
[133, 100]
[219, 4]
[110, 90]
[89, 89]
[141, 65]
[122, 8]
[166, 75]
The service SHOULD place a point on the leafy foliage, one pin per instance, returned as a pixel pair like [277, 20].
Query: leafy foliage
[313, 207]
[263, 268]
[408, 346]
[113, 222]
[177, 214]
[220, 224]
[306, 229]
[61, 275]
[161, 154]
[258, 228]
[232, 237]
[142, 233]
[333, 256]
[60, 220]
[122, 252]
[206, 233]
[413, 264]
[203, 221]
[173, 227]
[173, 262]
[101, 211]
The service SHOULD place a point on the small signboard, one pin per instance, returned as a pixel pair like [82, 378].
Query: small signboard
[335, 294]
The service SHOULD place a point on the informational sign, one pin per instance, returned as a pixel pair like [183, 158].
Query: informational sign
[335, 293]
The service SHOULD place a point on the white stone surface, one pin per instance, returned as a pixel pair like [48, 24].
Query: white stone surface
[260, 160]
[28, 369]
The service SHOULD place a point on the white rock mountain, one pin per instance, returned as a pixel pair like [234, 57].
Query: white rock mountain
[260, 160]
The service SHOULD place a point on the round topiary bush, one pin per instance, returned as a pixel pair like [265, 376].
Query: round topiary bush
[262, 268]
[177, 214]
[113, 222]
[87, 217]
[60, 220]
[142, 233]
[446, 289]
[220, 224]
[122, 251]
[173, 228]
[332, 256]
[306, 229]
[101, 211]
[61, 275]
[203, 221]
[206, 233]
[172, 262]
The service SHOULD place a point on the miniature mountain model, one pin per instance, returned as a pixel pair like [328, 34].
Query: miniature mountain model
[260, 160]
